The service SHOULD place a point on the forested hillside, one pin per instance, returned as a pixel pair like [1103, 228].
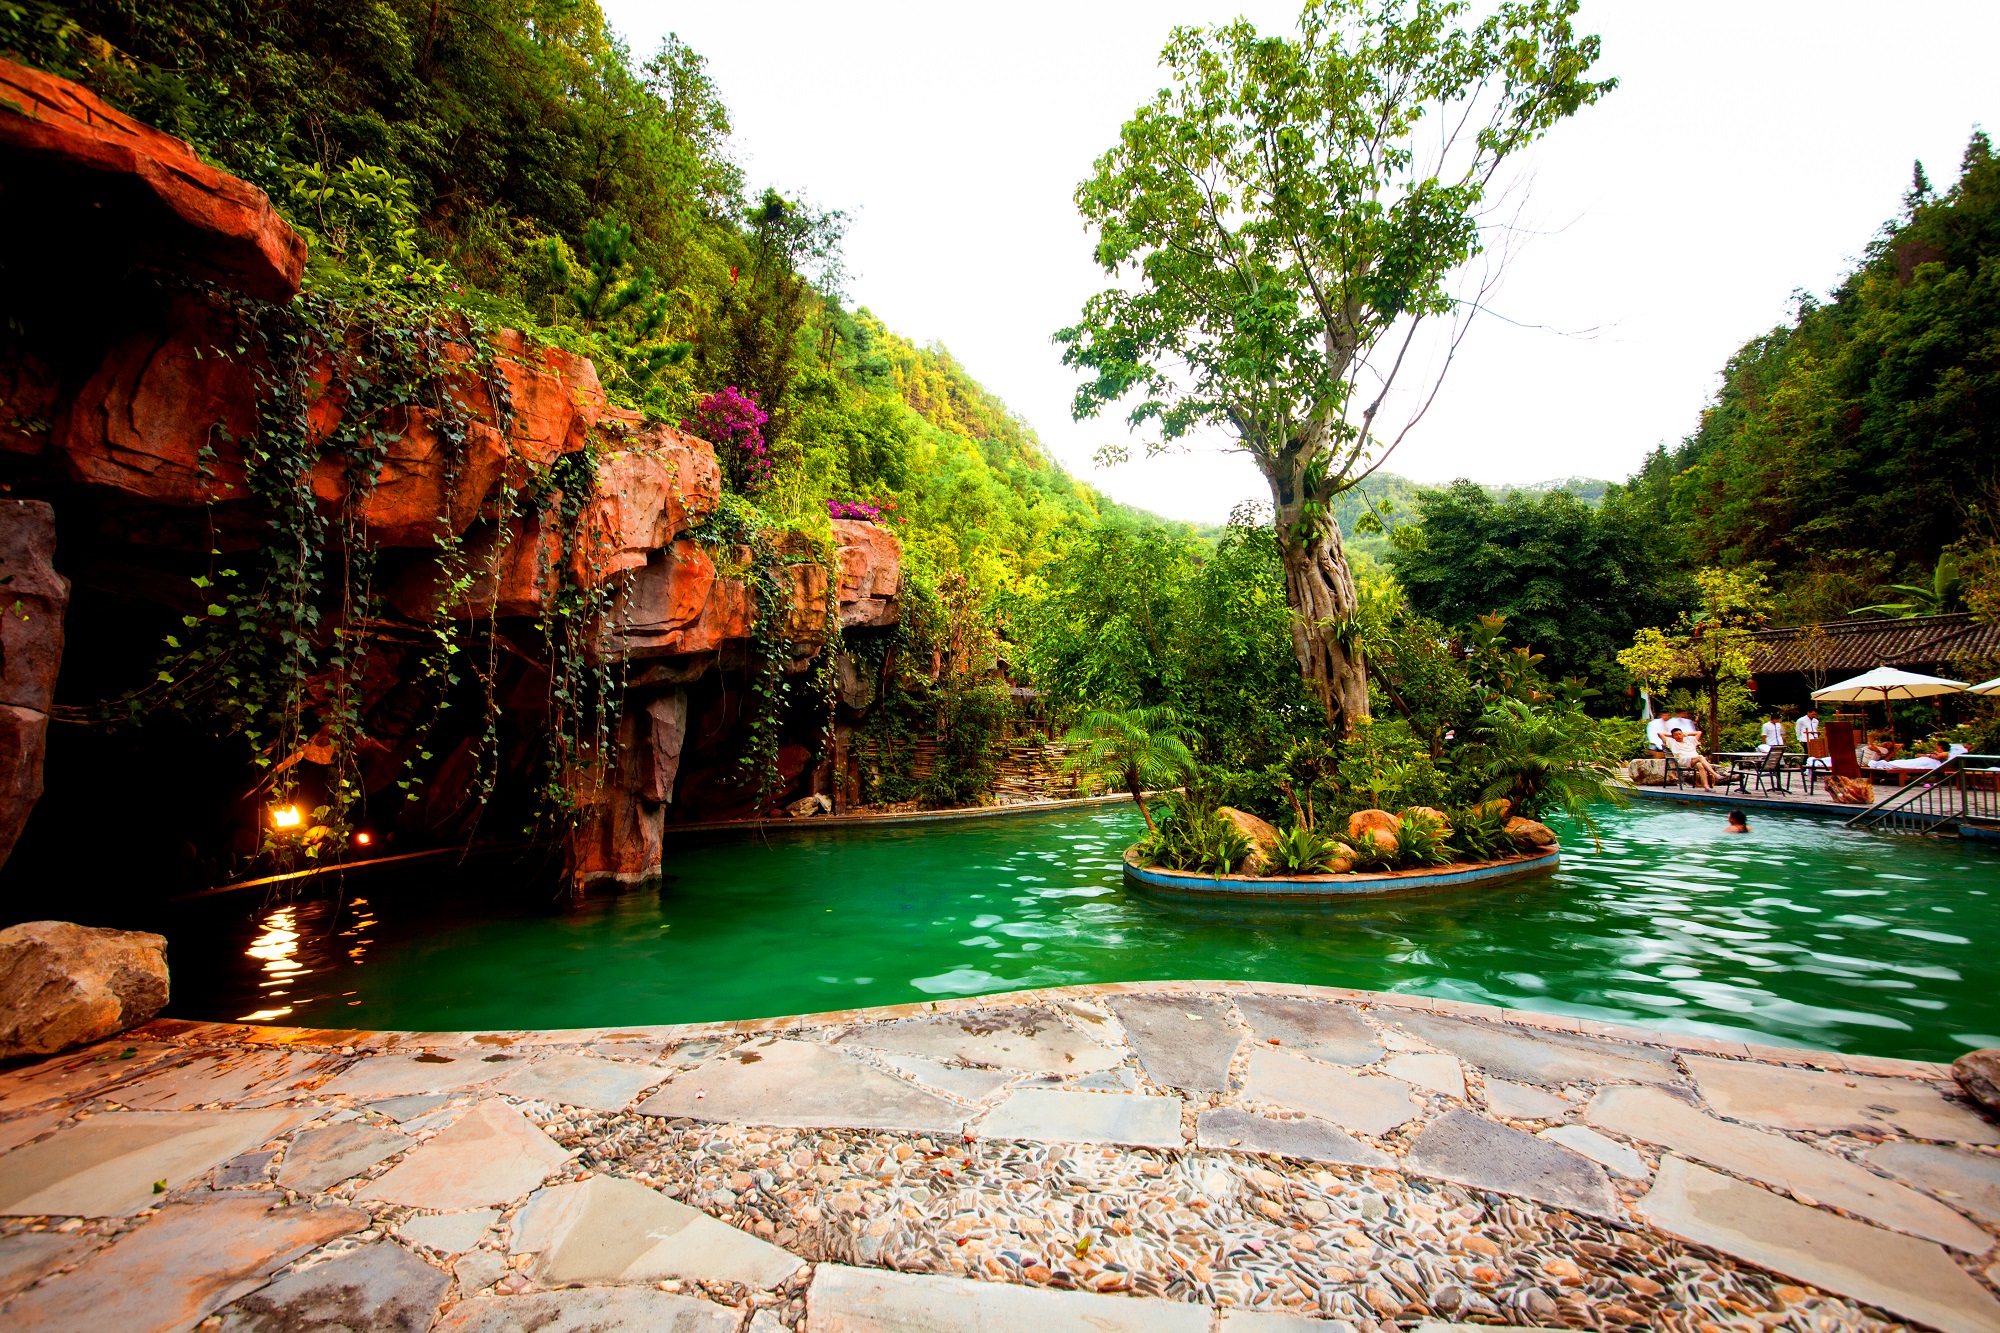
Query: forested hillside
[1852, 447]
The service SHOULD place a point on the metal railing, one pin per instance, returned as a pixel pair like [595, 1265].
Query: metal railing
[1965, 786]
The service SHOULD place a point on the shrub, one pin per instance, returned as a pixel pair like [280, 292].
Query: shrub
[1422, 841]
[1479, 833]
[1194, 835]
[1304, 851]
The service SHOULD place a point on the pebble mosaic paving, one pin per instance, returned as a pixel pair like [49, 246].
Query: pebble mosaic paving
[1221, 1157]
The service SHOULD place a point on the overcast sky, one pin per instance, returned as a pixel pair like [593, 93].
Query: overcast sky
[1752, 148]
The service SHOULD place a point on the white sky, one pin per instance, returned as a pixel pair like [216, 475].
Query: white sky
[1752, 148]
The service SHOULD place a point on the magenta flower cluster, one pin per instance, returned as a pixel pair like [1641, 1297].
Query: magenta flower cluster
[853, 509]
[730, 420]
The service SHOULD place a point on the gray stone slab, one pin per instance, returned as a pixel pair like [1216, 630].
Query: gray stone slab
[871, 1300]
[1183, 1041]
[590, 1310]
[1472, 1150]
[1617, 1158]
[1110, 1080]
[401, 1109]
[798, 1084]
[1033, 1040]
[491, 1155]
[1364, 1103]
[1048, 1116]
[1433, 1073]
[1912, 1278]
[1331, 1032]
[449, 1233]
[1967, 1180]
[1547, 1058]
[81, 1074]
[108, 1165]
[1273, 1321]
[28, 1256]
[1657, 1117]
[1518, 1101]
[383, 1076]
[15, 1132]
[379, 1288]
[581, 1080]
[250, 1170]
[321, 1158]
[608, 1229]
[1810, 1099]
[228, 1077]
[187, 1261]
[479, 1270]
[1227, 1129]
[968, 1082]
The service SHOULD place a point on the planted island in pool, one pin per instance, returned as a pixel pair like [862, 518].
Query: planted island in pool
[1217, 850]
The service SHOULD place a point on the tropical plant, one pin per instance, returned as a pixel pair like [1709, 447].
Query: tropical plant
[1299, 849]
[1422, 839]
[1136, 750]
[1479, 832]
[1281, 221]
[1193, 834]
[1546, 759]
[1941, 594]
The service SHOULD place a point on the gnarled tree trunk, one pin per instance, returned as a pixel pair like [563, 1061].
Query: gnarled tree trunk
[1320, 589]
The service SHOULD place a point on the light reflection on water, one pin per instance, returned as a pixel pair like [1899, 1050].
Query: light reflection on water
[1802, 933]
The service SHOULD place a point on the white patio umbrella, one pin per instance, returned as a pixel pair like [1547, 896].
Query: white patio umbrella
[1985, 687]
[1886, 683]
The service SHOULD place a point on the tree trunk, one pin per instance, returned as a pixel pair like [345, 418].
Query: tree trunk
[1320, 589]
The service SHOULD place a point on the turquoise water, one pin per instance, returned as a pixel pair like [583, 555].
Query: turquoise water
[1801, 934]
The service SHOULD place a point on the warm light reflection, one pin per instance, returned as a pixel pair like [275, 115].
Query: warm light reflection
[286, 816]
[276, 949]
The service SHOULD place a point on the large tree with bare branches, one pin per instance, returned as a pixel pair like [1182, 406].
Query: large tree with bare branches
[1283, 221]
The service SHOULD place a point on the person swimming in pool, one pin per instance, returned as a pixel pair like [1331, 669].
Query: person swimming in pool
[1737, 823]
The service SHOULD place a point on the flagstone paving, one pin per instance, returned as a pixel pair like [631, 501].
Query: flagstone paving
[800, 1083]
[1335, 1033]
[491, 1155]
[322, 1157]
[1811, 1100]
[379, 1287]
[118, 1163]
[1472, 1150]
[1653, 1116]
[1364, 1103]
[1086, 1117]
[1183, 1041]
[1250, 1159]
[609, 1230]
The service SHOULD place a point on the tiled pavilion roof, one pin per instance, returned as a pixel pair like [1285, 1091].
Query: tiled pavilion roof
[1862, 645]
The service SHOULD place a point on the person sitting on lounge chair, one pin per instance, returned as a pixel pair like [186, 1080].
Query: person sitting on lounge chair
[1933, 758]
[1687, 753]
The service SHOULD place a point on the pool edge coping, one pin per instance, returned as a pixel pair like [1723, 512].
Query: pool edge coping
[353, 1039]
[1323, 889]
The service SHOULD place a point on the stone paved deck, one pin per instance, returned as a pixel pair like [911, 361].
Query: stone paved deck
[1199, 1155]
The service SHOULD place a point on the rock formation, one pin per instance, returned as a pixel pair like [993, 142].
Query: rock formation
[32, 599]
[63, 985]
[507, 489]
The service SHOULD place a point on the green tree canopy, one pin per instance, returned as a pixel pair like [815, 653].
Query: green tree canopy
[1572, 581]
[1282, 220]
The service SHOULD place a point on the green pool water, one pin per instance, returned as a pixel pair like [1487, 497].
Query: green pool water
[1801, 934]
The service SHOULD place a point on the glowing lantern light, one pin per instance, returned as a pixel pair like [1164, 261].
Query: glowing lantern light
[362, 839]
[286, 816]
